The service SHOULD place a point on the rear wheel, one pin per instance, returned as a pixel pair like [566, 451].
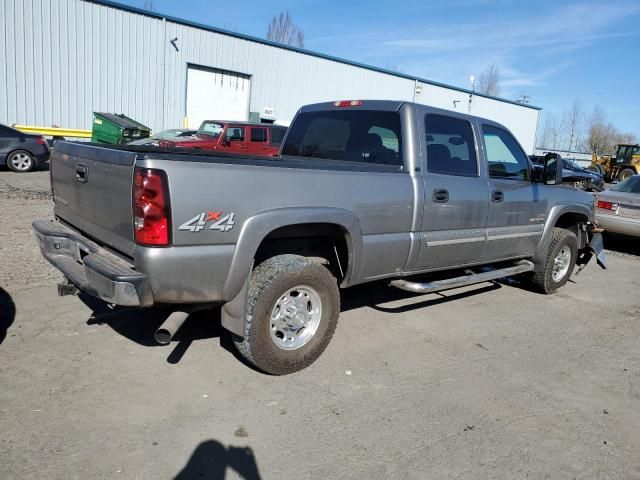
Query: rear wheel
[21, 161]
[292, 312]
[580, 184]
[560, 261]
[626, 173]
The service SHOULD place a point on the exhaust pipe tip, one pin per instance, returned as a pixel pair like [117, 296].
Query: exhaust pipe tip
[170, 326]
[163, 336]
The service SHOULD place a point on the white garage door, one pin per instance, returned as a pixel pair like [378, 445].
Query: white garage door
[216, 95]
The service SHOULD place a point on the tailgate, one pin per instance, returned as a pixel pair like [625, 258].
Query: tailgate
[92, 190]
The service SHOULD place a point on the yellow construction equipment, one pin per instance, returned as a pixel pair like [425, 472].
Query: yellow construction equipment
[622, 165]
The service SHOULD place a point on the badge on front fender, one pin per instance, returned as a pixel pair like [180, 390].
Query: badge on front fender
[223, 223]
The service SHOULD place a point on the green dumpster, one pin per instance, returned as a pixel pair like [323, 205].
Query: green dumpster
[116, 128]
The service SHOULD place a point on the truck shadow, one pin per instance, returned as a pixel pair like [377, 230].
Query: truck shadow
[622, 243]
[7, 313]
[210, 461]
[376, 294]
[139, 325]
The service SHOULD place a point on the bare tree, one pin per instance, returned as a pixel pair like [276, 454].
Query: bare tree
[602, 134]
[283, 30]
[573, 123]
[551, 133]
[489, 81]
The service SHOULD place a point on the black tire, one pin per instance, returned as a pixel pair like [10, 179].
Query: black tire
[543, 281]
[21, 161]
[626, 173]
[269, 282]
[596, 168]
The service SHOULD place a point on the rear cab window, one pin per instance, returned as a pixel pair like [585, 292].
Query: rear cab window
[364, 136]
[450, 146]
[505, 157]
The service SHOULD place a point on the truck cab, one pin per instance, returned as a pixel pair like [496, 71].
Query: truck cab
[233, 137]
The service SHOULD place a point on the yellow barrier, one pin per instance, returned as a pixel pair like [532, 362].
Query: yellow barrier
[54, 132]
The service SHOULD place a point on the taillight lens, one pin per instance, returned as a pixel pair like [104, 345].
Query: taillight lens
[151, 222]
[607, 205]
[41, 141]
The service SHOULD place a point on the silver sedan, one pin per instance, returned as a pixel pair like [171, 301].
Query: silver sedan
[618, 209]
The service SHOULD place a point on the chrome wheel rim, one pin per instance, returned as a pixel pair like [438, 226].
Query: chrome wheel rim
[295, 318]
[561, 264]
[21, 161]
[580, 185]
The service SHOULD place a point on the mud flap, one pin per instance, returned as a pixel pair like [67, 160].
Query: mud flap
[232, 315]
[595, 248]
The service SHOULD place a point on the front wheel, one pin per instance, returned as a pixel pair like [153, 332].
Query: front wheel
[581, 185]
[559, 263]
[626, 173]
[292, 312]
[21, 161]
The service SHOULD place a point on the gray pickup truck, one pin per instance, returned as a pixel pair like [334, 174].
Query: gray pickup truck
[361, 191]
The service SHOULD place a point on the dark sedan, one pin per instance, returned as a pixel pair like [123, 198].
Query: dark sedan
[573, 174]
[22, 152]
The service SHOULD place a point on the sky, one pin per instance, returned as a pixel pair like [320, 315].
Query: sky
[552, 51]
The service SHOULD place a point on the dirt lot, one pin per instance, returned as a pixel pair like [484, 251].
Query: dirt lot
[485, 382]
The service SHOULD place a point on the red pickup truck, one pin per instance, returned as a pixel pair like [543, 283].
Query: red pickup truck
[233, 137]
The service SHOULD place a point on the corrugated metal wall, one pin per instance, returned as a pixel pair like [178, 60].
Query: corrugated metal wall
[64, 59]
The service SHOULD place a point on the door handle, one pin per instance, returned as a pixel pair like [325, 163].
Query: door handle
[497, 196]
[441, 196]
[82, 173]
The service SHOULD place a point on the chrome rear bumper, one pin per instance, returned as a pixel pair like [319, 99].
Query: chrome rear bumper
[91, 268]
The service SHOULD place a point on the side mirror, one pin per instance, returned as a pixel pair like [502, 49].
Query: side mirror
[552, 169]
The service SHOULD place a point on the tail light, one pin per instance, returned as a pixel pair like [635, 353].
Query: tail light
[607, 205]
[151, 221]
[347, 103]
[41, 141]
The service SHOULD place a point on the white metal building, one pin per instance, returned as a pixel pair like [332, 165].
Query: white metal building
[63, 59]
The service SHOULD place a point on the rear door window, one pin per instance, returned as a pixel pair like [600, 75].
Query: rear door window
[365, 136]
[450, 146]
[258, 134]
[505, 157]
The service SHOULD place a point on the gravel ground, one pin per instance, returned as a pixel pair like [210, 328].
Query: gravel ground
[24, 197]
[491, 381]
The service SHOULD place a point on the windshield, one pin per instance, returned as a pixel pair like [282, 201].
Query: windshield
[211, 129]
[630, 185]
[366, 136]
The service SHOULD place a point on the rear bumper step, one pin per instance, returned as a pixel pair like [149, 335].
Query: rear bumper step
[91, 268]
[521, 266]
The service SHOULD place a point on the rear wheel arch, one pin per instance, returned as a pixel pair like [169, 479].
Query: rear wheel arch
[255, 242]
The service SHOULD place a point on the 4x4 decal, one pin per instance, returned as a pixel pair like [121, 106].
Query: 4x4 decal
[224, 223]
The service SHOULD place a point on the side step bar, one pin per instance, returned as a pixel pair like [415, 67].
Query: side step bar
[429, 287]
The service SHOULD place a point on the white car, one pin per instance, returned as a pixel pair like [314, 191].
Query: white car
[618, 209]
